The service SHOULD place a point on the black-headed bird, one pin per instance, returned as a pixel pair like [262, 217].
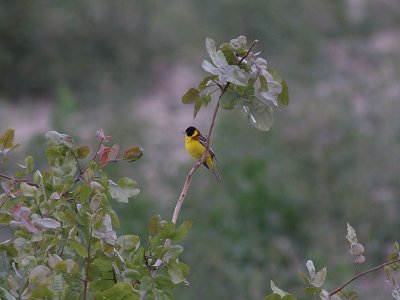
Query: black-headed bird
[195, 145]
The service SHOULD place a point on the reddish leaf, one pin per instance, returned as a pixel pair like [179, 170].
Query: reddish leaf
[21, 214]
[104, 154]
[113, 152]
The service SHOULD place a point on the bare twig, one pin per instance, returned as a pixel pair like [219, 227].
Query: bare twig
[362, 274]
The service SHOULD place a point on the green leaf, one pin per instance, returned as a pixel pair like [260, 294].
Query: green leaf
[229, 99]
[5, 218]
[283, 97]
[258, 113]
[119, 291]
[197, 106]
[79, 248]
[131, 274]
[273, 296]
[311, 290]
[125, 189]
[40, 275]
[114, 219]
[228, 53]
[173, 252]
[128, 242]
[29, 164]
[245, 91]
[167, 230]
[263, 84]
[275, 74]
[163, 282]
[191, 96]
[205, 81]
[181, 231]
[28, 190]
[154, 225]
[178, 271]
[61, 267]
[82, 152]
[41, 292]
[133, 153]
[7, 139]
[146, 283]
[205, 99]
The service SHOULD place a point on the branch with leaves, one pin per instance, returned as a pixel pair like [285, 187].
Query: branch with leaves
[65, 245]
[315, 280]
[245, 83]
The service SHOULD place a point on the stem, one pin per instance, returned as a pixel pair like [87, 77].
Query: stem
[86, 281]
[362, 274]
[27, 181]
[196, 166]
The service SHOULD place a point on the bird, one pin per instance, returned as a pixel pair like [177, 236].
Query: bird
[195, 145]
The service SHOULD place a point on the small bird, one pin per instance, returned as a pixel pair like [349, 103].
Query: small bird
[195, 145]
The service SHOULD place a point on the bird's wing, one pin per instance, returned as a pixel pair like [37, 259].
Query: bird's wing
[203, 141]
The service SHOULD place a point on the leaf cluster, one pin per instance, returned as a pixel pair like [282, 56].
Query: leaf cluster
[245, 81]
[65, 245]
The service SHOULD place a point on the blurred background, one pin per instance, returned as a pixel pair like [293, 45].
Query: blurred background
[286, 196]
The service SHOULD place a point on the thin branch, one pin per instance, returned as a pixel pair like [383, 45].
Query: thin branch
[86, 281]
[27, 181]
[196, 166]
[188, 179]
[77, 162]
[362, 274]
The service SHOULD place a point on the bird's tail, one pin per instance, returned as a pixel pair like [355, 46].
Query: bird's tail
[215, 171]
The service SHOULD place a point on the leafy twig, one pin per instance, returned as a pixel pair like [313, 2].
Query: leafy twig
[362, 274]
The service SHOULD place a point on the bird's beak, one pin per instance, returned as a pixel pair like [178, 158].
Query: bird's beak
[183, 132]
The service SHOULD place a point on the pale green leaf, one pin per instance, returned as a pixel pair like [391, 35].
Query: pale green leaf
[319, 278]
[128, 242]
[56, 138]
[40, 275]
[28, 190]
[125, 189]
[79, 248]
[178, 271]
[258, 113]
[310, 268]
[172, 253]
[277, 290]
[29, 164]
